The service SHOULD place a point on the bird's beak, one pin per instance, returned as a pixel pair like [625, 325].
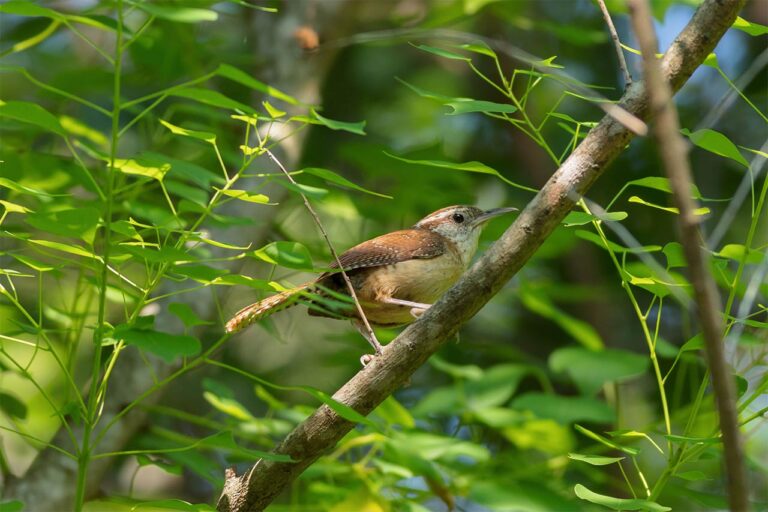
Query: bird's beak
[489, 214]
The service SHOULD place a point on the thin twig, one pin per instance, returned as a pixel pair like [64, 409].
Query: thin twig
[372, 338]
[672, 149]
[616, 43]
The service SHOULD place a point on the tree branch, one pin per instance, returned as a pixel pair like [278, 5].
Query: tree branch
[673, 151]
[259, 486]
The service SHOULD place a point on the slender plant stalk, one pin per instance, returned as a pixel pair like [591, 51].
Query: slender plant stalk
[92, 414]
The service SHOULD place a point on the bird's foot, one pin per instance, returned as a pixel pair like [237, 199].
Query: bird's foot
[366, 358]
[417, 312]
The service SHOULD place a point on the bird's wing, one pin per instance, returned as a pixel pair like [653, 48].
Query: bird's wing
[393, 248]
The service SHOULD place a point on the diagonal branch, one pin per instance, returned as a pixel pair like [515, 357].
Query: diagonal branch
[674, 156]
[259, 486]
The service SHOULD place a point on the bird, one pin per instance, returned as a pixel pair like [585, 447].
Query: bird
[395, 276]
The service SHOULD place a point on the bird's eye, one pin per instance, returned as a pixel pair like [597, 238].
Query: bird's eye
[458, 218]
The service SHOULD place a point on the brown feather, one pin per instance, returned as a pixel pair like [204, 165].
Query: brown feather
[407, 244]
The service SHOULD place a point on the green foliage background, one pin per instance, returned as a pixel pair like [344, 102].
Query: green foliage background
[140, 211]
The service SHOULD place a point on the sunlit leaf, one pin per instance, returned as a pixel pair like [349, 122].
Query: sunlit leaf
[178, 130]
[698, 211]
[274, 113]
[80, 129]
[617, 503]
[581, 218]
[594, 460]
[143, 167]
[751, 28]
[13, 207]
[301, 189]
[675, 257]
[179, 13]
[246, 196]
[738, 252]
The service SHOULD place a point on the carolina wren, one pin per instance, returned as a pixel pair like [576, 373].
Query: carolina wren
[396, 276]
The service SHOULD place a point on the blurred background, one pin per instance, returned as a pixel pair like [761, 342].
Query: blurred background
[489, 423]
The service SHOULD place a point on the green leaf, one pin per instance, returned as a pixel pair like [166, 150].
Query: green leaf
[591, 369]
[462, 105]
[212, 98]
[717, 143]
[166, 346]
[357, 128]
[13, 207]
[332, 177]
[12, 406]
[79, 129]
[246, 196]
[594, 460]
[301, 189]
[617, 503]
[698, 211]
[241, 77]
[659, 183]
[393, 413]
[143, 166]
[172, 469]
[202, 273]
[580, 330]
[457, 371]
[178, 13]
[675, 257]
[228, 406]
[595, 239]
[692, 476]
[78, 223]
[286, 254]
[165, 254]
[13, 505]
[751, 28]
[182, 169]
[68, 248]
[466, 167]
[738, 251]
[274, 113]
[31, 113]
[178, 130]
[581, 218]
[565, 409]
[442, 53]
[602, 440]
[20, 8]
[186, 314]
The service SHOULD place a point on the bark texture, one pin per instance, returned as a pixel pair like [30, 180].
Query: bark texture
[259, 486]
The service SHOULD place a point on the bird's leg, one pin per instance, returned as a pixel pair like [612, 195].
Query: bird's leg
[417, 308]
[370, 337]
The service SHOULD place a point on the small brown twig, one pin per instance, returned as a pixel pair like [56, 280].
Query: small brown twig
[673, 151]
[369, 330]
[616, 43]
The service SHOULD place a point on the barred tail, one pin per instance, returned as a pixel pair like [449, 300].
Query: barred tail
[265, 307]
